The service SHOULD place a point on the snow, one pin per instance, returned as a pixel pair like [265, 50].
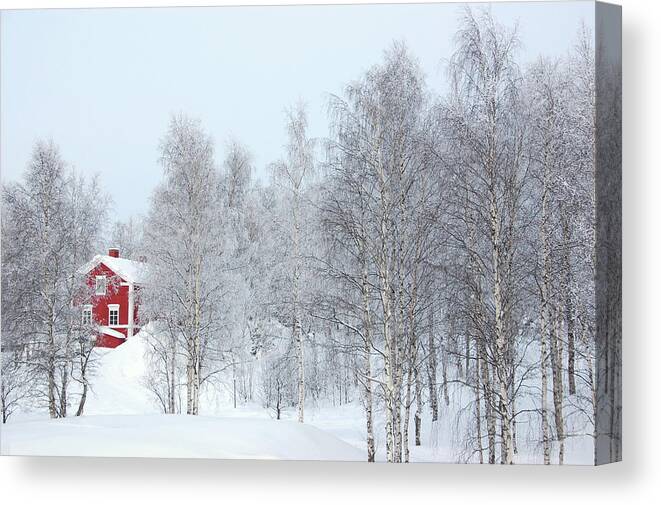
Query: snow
[175, 436]
[107, 330]
[122, 419]
[135, 272]
[118, 386]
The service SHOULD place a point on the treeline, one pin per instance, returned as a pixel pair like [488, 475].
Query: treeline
[434, 255]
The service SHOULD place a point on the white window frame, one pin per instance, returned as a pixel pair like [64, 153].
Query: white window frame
[87, 314]
[101, 281]
[113, 308]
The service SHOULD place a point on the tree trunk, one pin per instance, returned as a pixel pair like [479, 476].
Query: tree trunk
[83, 399]
[501, 339]
[418, 407]
[371, 450]
[433, 392]
[84, 360]
[172, 381]
[389, 388]
[569, 311]
[50, 366]
[444, 372]
[64, 385]
[545, 316]
[488, 405]
[546, 438]
[558, 389]
[478, 414]
[197, 348]
[3, 401]
[397, 418]
[407, 415]
[298, 336]
[189, 379]
[367, 335]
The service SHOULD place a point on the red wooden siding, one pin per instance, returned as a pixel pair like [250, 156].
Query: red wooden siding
[116, 294]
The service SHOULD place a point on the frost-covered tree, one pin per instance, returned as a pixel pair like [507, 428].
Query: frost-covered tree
[292, 174]
[17, 379]
[51, 226]
[487, 125]
[381, 199]
[127, 236]
[184, 239]
[237, 174]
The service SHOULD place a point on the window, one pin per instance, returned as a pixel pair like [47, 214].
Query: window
[87, 314]
[113, 315]
[101, 283]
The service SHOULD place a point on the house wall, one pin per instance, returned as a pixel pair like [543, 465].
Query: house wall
[108, 341]
[117, 294]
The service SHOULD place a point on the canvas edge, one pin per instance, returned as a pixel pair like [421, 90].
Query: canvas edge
[608, 232]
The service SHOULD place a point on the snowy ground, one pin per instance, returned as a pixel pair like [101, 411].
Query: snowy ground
[121, 419]
[177, 436]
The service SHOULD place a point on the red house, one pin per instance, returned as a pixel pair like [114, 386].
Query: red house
[114, 286]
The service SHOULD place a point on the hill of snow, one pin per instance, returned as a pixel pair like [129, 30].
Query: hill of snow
[118, 387]
[175, 436]
[122, 419]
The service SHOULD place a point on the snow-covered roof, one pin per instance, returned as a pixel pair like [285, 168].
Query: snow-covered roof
[111, 333]
[129, 270]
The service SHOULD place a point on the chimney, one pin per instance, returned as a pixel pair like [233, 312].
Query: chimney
[113, 252]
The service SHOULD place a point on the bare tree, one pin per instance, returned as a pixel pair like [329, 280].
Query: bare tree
[185, 242]
[486, 122]
[53, 220]
[294, 173]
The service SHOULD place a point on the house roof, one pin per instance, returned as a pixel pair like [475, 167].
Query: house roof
[111, 333]
[131, 271]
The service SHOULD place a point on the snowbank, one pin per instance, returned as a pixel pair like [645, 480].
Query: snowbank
[122, 420]
[175, 436]
[118, 384]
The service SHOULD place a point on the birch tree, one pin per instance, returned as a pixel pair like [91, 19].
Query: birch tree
[293, 173]
[484, 114]
[184, 237]
[51, 226]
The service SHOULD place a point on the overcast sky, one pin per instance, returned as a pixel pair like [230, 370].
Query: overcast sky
[102, 83]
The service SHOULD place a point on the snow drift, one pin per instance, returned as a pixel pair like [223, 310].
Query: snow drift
[175, 436]
[121, 419]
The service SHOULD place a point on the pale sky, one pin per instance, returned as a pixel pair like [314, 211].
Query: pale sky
[102, 83]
